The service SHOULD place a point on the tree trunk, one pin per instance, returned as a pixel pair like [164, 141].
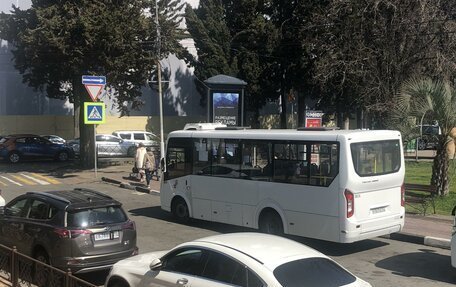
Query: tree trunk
[86, 132]
[440, 167]
[283, 113]
[301, 110]
[346, 121]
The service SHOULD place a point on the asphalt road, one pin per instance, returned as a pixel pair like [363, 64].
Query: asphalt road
[382, 262]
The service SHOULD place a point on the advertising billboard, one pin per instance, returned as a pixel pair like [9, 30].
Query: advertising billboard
[225, 108]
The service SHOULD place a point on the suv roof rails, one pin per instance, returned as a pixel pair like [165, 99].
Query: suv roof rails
[51, 195]
[317, 128]
[94, 192]
[232, 128]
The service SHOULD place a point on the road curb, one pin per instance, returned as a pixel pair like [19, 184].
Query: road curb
[110, 180]
[129, 186]
[419, 239]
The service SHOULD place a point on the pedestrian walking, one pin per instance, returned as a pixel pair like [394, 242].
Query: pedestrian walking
[149, 165]
[139, 161]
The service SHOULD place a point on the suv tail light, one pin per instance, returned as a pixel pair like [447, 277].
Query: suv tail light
[130, 224]
[70, 233]
[403, 194]
[350, 200]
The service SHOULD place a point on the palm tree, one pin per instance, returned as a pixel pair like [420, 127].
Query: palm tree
[436, 99]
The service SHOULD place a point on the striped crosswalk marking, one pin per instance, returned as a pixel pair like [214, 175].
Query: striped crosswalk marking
[48, 179]
[2, 183]
[42, 182]
[23, 180]
[12, 181]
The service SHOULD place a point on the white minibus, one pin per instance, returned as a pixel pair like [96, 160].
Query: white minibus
[335, 185]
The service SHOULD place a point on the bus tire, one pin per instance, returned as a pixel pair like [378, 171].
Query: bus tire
[180, 210]
[271, 223]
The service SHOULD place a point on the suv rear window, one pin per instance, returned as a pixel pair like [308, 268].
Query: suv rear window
[96, 216]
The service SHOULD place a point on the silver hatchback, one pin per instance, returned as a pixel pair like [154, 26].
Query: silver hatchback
[81, 229]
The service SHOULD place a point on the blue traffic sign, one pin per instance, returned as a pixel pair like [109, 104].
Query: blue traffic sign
[94, 113]
[100, 80]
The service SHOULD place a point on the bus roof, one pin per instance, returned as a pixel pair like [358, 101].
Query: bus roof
[290, 134]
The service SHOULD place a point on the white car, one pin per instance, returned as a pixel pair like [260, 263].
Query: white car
[236, 259]
[146, 138]
[2, 200]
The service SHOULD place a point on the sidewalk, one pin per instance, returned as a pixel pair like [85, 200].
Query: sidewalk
[431, 230]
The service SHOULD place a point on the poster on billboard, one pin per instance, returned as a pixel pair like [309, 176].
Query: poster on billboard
[226, 108]
[313, 118]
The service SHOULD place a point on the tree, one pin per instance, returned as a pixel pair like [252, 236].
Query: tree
[437, 99]
[206, 24]
[364, 51]
[56, 42]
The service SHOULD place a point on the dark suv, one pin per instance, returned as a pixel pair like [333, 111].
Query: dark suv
[79, 229]
[430, 139]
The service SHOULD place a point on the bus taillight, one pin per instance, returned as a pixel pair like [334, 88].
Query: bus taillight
[403, 194]
[350, 198]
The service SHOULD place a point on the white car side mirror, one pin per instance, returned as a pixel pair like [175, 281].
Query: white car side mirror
[155, 264]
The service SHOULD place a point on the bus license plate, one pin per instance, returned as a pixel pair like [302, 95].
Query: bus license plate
[378, 210]
[106, 235]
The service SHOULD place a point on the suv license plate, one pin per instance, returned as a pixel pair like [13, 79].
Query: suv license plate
[106, 235]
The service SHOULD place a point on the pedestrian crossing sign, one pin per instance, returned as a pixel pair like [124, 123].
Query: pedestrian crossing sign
[94, 113]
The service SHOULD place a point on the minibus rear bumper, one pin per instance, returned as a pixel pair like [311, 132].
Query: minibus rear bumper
[372, 228]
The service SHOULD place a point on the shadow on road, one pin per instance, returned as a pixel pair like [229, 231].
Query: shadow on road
[426, 264]
[328, 248]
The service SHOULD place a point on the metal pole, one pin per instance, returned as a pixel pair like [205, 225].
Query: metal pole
[160, 100]
[96, 147]
[160, 96]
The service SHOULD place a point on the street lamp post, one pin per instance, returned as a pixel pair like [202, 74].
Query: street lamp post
[160, 96]
[160, 101]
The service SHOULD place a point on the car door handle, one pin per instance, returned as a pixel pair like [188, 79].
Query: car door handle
[182, 281]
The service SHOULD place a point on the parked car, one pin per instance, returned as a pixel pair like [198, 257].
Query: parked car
[236, 259]
[55, 139]
[429, 138]
[453, 240]
[108, 146]
[15, 148]
[80, 229]
[146, 138]
[74, 144]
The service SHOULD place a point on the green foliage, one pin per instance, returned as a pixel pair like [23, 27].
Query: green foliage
[55, 42]
[438, 99]
[420, 173]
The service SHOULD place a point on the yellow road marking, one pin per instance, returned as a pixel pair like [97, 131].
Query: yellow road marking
[26, 181]
[48, 179]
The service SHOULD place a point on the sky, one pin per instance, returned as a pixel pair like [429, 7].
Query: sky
[5, 5]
